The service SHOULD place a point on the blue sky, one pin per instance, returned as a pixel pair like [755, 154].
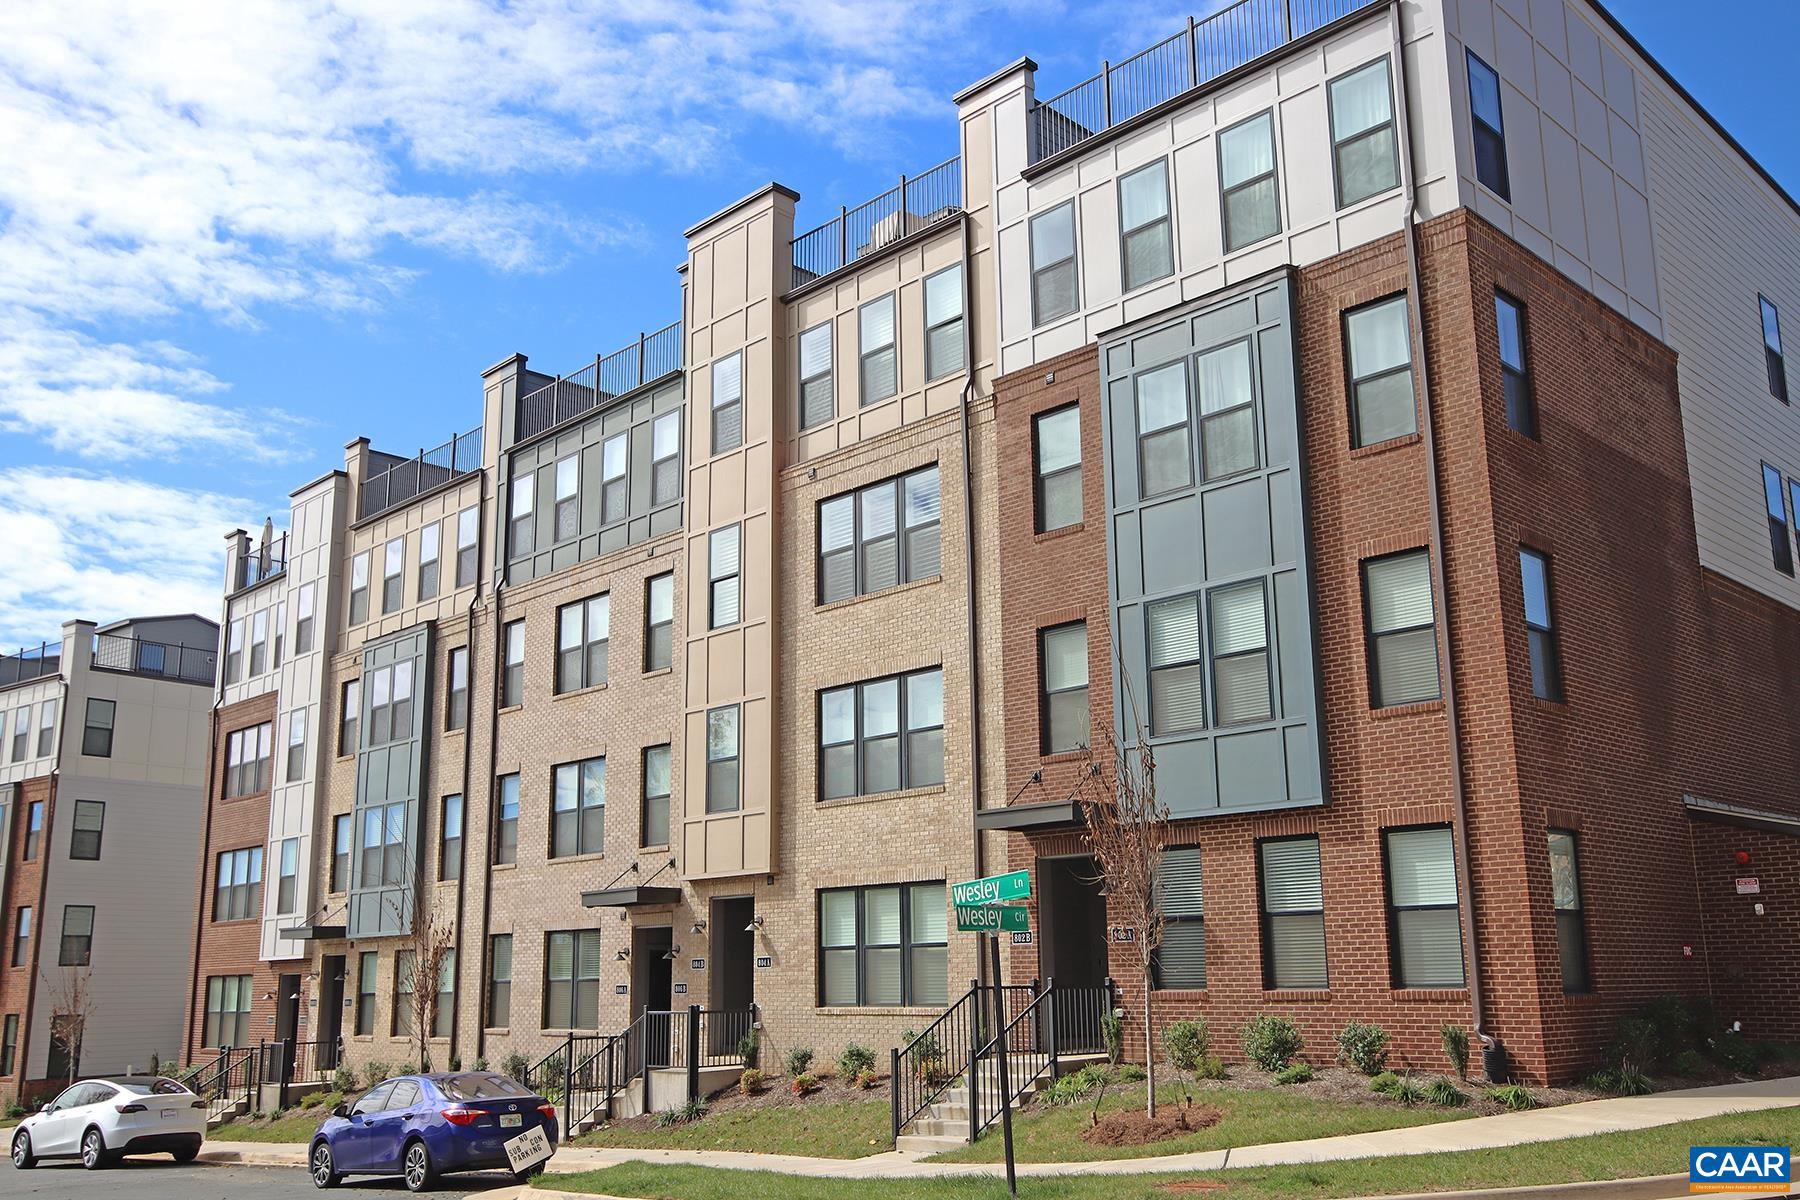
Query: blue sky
[234, 236]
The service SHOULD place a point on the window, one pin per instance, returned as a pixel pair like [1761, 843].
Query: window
[1164, 460]
[1063, 680]
[615, 487]
[1403, 666]
[1293, 913]
[287, 883]
[406, 970]
[456, 704]
[665, 459]
[654, 820]
[875, 343]
[227, 1010]
[1180, 961]
[259, 643]
[1771, 331]
[1053, 276]
[728, 403]
[303, 619]
[1056, 448]
[572, 980]
[349, 716]
[90, 824]
[1363, 149]
[365, 993]
[522, 530]
[21, 950]
[383, 846]
[1546, 666]
[1177, 674]
[943, 322]
[429, 537]
[467, 530]
[9, 1044]
[21, 739]
[296, 747]
[46, 729]
[582, 630]
[280, 631]
[722, 553]
[390, 703]
[1423, 927]
[506, 836]
[862, 747]
[1489, 128]
[1565, 897]
[578, 808]
[1247, 175]
[393, 563]
[499, 992]
[450, 841]
[1775, 500]
[1240, 654]
[247, 754]
[340, 852]
[1521, 407]
[97, 736]
[237, 887]
[1227, 410]
[883, 946]
[1379, 347]
[512, 684]
[659, 622]
[443, 1005]
[34, 830]
[359, 588]
[880, 536]
[234, 651]
[566, 515]
[722, 759]
[1147, 245]
[818, 404]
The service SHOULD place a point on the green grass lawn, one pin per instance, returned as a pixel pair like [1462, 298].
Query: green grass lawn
[295, 1127]
[850, 1129]
[1252, 1117]
[1660, 1151]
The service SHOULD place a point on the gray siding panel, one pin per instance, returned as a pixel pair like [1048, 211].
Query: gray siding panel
[387, 773]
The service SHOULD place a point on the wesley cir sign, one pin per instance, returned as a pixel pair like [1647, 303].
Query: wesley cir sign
[991, 918]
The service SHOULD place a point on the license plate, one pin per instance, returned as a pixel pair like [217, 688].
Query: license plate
[511, 1120]
[168, 1114]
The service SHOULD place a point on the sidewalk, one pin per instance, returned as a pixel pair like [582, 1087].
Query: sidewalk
[1508, 1129]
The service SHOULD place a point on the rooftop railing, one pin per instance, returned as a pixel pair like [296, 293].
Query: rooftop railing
[651, 357]
[918, 202]
[411, 477]
[190, 664]
[1199, 54]
[263, 563]
[31, 662]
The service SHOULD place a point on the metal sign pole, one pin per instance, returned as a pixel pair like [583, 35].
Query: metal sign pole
[1012, 1182]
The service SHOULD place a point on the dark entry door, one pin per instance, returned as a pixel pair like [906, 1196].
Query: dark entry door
[287, 1023]
[328, 1023]
[1073, 953]
[652, 973]
[733, 973]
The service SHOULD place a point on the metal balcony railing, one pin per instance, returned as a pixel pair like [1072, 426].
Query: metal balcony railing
[918, 202]
[1199, 54]
[411, 477]
[651, 357]
[135, 656]
[31, 662]
[263, 563]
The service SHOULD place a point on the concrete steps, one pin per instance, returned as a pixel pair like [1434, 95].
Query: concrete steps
[944, 1123]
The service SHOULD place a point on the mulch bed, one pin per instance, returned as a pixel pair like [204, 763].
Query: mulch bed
[775, 1093]
[1133, 1127]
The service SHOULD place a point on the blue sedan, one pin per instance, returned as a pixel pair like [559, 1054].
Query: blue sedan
[423, 1126]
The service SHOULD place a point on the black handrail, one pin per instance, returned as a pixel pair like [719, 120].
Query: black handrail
[923, 1069]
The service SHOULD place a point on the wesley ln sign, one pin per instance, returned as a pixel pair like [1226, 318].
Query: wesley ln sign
[991, 918]
[994, 889]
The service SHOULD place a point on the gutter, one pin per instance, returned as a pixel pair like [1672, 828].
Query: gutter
[206, 825]
[1428, 436]
[968, 294]
[462, 872]
[496, 678]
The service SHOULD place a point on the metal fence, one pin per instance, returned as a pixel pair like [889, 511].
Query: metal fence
[651, 357]
[917, 202]
[191, 664]
[31, 662]
[1202, 52]
[264, 562]
[426, 470]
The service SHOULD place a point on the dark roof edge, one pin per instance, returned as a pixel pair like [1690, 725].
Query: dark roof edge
[758, 194]
[1023, 61]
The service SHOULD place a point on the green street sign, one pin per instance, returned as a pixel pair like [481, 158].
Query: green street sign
[991, 918]
[995, 889]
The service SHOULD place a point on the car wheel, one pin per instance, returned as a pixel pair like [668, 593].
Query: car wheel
[416, 1168]
[93, 1150]
[324, 1170]
[22, 1157]
[186, 1154]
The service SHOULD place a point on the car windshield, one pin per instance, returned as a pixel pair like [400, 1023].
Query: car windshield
[480, 1086]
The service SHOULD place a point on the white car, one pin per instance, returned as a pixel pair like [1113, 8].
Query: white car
[98, 1120]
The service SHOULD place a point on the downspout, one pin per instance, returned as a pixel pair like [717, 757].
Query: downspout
[1427, 428]
[968, 294]
[206, 824]
[493, 757]
[44, 844]
[462, 871]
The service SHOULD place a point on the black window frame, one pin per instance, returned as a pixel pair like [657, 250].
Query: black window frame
[234, 901]
[583, 665]
[406, 981]
[451, 815]
[223, 1026]
[811, 416]
[287, 882]
[1521, 398]
[506, 829]
[259, 643]
[1354, 384]
[615, 490]
[910, 559]
[1398, 977]
[46, 734]
[648, 800]
[1127, 234]
[1046, 697]
[360, 564]
[565, 507]
[456, 695]
[1072, 261]
[368, 981]
[905, 947]
[1577, 976]
[1042, 480]
[659, 635]
[1270, 982]
[76, 949]
[512, 675]
[665, 469]
[719, 575]
[248, 761]
[9, 1044]
[393, 585]
[1214, 656]
[1175, 917]
[1480, 127]
[97, 740]
[1773, 358]
[1338, 144]
[890, 350]
[468, 564]
[521, 521]
[499, 988]
[574, 841]
[1372, 638]
[724, 404]
[1272, 175]
[715, 801]
[21, 733]
[1781, 542]
[1195, 667]
[934, 369]
[34, 831]
[294, 767]
[1182, 429]
[349, 717]
[575, 981]
[430, 569]
[86, 849]
[343, 845]
[22, 933]
[305, 604]
[1543, 644]
[905, 754]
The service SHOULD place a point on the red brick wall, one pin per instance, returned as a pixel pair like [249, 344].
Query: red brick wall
[24, 885]
[1752, 984]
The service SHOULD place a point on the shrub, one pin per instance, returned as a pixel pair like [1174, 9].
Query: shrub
[1186, 1043]
[1636, 1045]
[480, 1062]
[14, 1110]
[1112, 1028]
[1271, 1042]
[1456, 1048]
[1407, 1092]
[867, 1078]
[687, 1114]
[1445, 1094]
[1132, 1073]
[1619, 1081]
[798, 1060]
[803, 1083]
[343, 1080]
[1364, 1047]
[1689, 1064]
[1742, 1055]
[516, 1067]
[375, 1071]
[1512, 1096]
[1210, 1067]
[1384, 1082]
[1074, 1087]
[749, 1047]
[751, 1081]
[926, 1058]
[854, 1060]
[1296, 1073]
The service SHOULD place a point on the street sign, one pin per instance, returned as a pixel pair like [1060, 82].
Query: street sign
[994, 889]
[991, 918]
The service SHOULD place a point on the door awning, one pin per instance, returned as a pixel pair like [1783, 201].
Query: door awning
[631, 897]
[1039, 817]
[313, 933]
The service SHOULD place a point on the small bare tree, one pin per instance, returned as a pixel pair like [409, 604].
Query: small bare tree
[1127, 828]
[429, 949]
[71, 1008]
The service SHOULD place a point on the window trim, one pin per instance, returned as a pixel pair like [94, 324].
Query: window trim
[217, 1019]
[1580, 915]
[343, 833]
[393, 580]
[1269, 981]
[89, 728]
[613, 511]
[864, 353]
[426, 585]
[575, 980]
[494, 981]
[904, 947]
[46, 736]
[932, 373]
[1354, 383]
[368, 984]
[902, 735]
[657, 462]
[715, 406]
[901, 534]
[1273, 174]
[1126, 284]
[502, 852]
[1781, 542]
[736, 756]
[1371, 639]
[456, 694]
[34, 831]
[521, 523]
[652, 626]
[715, 576]
[287, 883]
[1552, 685]
[1038, 317]
[1038, 476]
[1184, 427]
[229, 895]
[1525, 420]
[1396, 959]
[1479, 124]
[1337, 144]
[472, 547]
[294, 769]
[586, 647]
[1214, 658]
[450, 848]
[579, 768]
[350, 717]
[1156, 976]
[646, 797]
[1045, 749]
[359, 592]
[22, 934]
[512, 674]
[1774, 358]
[565, 504]
[99, 831]
[81, 954]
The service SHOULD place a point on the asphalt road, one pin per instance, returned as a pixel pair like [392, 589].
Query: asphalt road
[159, 1179]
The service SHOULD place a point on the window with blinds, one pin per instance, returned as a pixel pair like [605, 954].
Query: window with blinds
[1063, 685]
[1147, 244]
[1378, 345]
[722, 565]
[882, 735]
[880, 536]
[1053, 272]
[1364, 152]
[883, 946]
[1177, 676]
[875, 335]
[572, 979]
[1565, 898]
[1240, 654]
[728, 403]
[578, 808]
[943, 322]
[1180, 961]
[818, 404]
[1402, 634]
[1424, 929]
[1249, 192]
[1293, 913]
[615, 485]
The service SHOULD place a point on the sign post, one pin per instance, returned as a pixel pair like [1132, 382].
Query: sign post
[982, 908]
[1012, 1181]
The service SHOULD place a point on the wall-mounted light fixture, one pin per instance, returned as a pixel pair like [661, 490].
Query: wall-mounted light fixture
[755, 925]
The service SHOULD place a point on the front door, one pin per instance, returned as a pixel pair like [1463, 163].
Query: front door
[329, 1022]
[287, 1024]
[1073, 953]
[652, 991]
[733, 993]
